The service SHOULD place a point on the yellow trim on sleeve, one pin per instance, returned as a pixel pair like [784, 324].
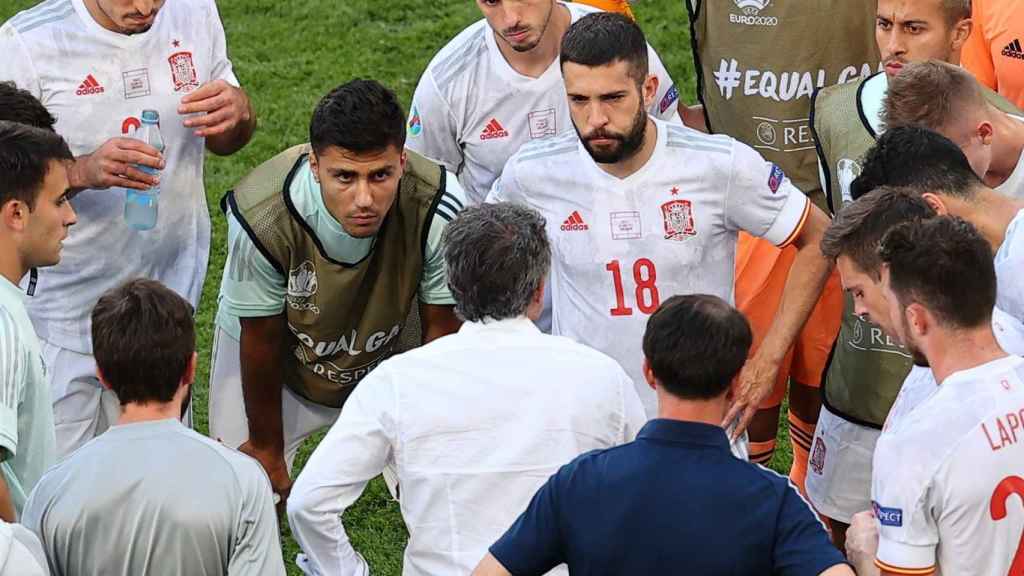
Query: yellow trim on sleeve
[897, 570]
[800, 225]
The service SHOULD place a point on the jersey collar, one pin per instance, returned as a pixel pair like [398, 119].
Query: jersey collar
[684, 432]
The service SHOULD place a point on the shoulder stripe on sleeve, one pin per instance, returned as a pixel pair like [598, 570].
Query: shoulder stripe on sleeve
[445, 212]
[34, 12]
[241, 255]
[547, 152]
[549, 142]
[451, 208]
[451, 198]
[459, 59]
[59, 12]
[686, 138]
[10, 360]
[909, 571]
[692, 146]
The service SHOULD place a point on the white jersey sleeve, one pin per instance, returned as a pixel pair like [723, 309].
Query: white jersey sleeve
[507, 187]
[13, 373]
[908, 531]
[666, 101]
[1009, 264]
[434, 280]
[432, 129]
[250, 287]
[222, 68]
[18, 66]
[761, 200]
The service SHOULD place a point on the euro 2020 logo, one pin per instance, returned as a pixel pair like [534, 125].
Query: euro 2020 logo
[752, 7]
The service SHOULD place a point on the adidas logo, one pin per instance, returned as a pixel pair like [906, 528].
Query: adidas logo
[493, 130]
[574, 223]
[1013, 50]
[89, 86]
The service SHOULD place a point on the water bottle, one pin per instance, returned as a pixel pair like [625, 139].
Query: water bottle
[140, 206]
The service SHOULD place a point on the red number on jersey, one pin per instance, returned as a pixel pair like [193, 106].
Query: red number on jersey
[620, 297]
[997, 507]
[645, 277]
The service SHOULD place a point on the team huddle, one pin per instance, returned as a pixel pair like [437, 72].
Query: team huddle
[555, 307]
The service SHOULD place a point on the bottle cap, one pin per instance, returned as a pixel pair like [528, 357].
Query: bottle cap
[150, 116]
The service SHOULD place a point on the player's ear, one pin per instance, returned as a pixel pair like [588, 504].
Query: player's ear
[935, 201]
[650, 90]
[962, 31]
[918, 319]
[103, 381]
[536, 306]
[649, 375]
[14, 214]
[985, 132]
[314, 162]
[190, 370]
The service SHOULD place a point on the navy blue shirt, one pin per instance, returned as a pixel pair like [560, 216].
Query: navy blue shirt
[675, 501]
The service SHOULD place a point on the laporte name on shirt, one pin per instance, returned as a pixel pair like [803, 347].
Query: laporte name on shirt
[1004, 431]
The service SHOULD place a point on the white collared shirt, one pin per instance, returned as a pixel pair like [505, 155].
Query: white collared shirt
[475, 423]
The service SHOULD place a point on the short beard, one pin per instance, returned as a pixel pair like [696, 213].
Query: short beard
[543, 30]
[629, 144]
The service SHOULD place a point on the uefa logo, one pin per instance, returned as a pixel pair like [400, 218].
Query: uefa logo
[752, 7]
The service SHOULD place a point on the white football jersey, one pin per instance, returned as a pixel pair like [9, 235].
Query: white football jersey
[947, 488]
[472, 110]
[920, 384]
[620, 247]
[1009, 262]
[97, 83]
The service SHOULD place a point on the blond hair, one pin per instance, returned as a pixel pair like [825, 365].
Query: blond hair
[930, 94]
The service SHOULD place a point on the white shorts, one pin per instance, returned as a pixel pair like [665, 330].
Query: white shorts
[839, 468]
[300, 417]
[228, 422]
[82, 407]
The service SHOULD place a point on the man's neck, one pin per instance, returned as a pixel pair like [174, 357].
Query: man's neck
[137, 413]
[533, 63]
[702, 411]
[992, 214]
[100, 16]
[634, 163]
[962, 350]
[11, 267]
[1007, 147]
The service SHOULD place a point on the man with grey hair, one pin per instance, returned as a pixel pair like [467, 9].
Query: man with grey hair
[475, 421]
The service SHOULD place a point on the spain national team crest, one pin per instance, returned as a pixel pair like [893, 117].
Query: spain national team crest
[678, 216]
[183, 71]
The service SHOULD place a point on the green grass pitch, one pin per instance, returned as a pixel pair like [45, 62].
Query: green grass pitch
[289, 54]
